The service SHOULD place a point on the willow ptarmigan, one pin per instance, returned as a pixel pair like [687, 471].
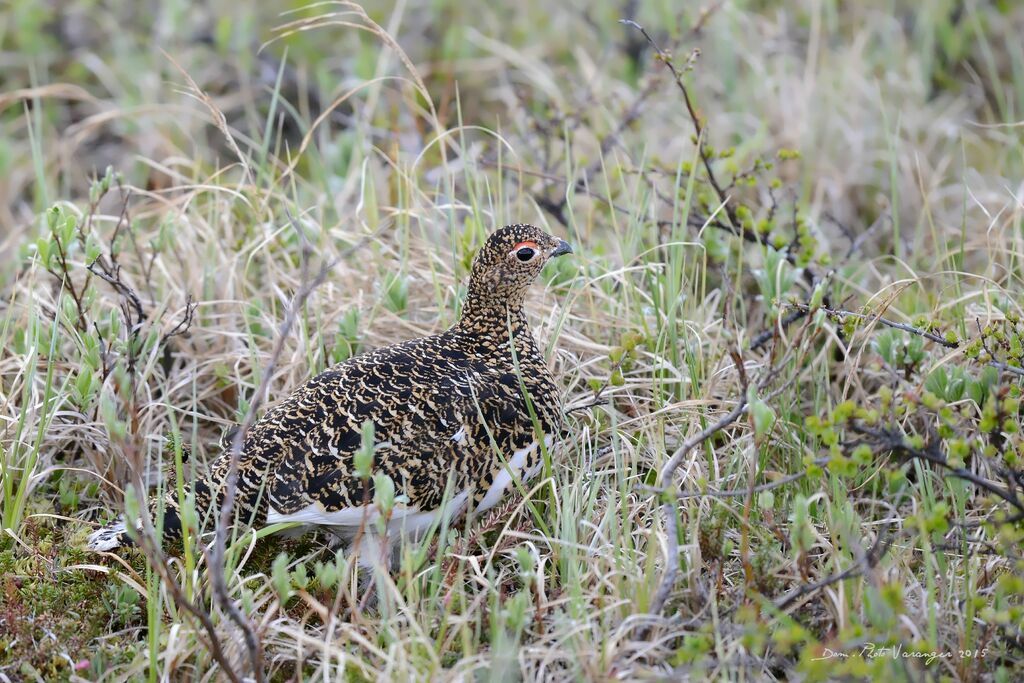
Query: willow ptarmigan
[460, 405]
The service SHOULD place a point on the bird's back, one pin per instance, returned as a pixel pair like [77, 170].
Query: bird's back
[442, 409]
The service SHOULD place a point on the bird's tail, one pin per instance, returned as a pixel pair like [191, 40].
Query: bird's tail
[209, 491]
[110, 537]
[115, 535]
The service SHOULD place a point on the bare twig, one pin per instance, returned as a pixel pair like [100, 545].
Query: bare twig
[557, 208]
[216, 552]
[66, 283]
[607, 142]
[698, 126]
[185, 323]
[587, 406]
[737, 493]
[145, 539]
[893, 440]
[741, 406]
[767, 335]
[839, 313]
[671, 506]
[215, 557]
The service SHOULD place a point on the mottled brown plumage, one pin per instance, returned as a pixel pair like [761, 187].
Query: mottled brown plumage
[449, 407]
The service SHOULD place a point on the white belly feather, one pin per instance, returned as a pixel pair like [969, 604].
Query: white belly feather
[411, 520]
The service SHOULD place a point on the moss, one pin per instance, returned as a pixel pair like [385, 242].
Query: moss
[51, 613]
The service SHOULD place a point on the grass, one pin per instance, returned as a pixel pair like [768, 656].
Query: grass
[867, 268]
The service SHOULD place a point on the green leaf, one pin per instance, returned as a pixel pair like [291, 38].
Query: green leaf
[280, 577]
[885, 346]
[383, 493]
[763, 415]
[363, 459]
[818, 296]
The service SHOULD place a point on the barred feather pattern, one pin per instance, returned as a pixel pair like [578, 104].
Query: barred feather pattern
[449, 410]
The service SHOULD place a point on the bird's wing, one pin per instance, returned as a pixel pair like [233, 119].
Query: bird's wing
[432, 425]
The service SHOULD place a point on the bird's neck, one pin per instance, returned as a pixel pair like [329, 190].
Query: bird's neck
[490, 322]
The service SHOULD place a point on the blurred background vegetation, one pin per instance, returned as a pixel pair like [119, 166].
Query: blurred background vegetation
[852, 86]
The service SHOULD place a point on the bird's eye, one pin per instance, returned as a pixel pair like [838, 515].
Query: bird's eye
[524, 254]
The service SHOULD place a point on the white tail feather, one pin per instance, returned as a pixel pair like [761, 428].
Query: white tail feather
[107, 538]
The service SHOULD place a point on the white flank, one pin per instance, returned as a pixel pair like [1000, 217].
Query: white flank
[504, 477]
[416, 523]
[314, 513]
[408, 520]
[460, 436]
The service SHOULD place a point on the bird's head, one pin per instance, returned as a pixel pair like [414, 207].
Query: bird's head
[510, 261]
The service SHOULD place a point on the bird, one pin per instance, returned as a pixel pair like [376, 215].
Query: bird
[457, 418]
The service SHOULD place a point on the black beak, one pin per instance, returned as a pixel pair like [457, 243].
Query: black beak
[562, 249]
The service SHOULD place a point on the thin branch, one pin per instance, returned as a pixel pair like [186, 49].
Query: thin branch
[737, 493]
[839, 313]
[893, 441]
[557, 207]
[216, 552]
[671, 506]
[185, 323]
[931, 336]
[157, 560]
[767, 335]
[995, 363]
[112, 276]
[67, 283]
[708, 432]
[698, 126]
[809, 588]
[588, 405]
